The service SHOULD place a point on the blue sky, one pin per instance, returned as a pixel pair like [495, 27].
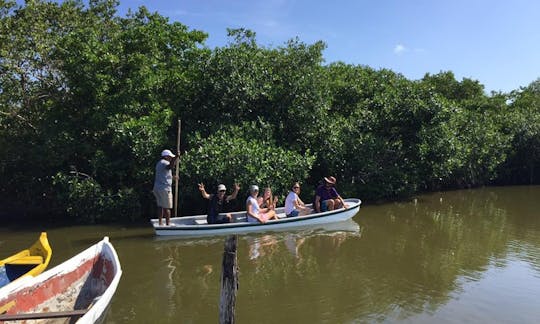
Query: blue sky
[495, 42]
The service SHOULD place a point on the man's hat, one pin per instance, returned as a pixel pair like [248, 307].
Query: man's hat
[330, 180]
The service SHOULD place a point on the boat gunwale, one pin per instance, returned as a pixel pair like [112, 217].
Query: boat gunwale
[41, 248]
[103, 249]
[208, 227]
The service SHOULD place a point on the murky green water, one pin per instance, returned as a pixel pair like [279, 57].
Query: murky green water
[453, 257]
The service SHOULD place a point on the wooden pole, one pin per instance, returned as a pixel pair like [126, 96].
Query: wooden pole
[177, 170]
[229, 281]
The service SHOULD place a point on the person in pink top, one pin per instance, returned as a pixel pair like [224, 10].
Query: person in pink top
[254, 212]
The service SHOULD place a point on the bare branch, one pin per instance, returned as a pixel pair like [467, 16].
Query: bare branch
[13, 114]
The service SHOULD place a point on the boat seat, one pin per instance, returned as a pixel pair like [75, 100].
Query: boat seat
[29, 259]
[200, 221]
[240, 218]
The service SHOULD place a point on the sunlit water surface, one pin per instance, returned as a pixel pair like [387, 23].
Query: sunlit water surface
[451, 257]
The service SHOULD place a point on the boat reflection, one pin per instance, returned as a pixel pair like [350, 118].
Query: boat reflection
[267, 244]
[349, 226]
[194, 265]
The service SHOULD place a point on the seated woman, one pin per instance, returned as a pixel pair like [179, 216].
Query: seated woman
[267, 200]
[294, 206]
[254, 212]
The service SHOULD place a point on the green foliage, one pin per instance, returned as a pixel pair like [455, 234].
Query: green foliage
[523, 124]
[88, 99]
[245, 82]
[86, 201]
[241, 154]
[445, 84]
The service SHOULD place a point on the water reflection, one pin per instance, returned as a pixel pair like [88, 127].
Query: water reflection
[412, 258]
[185, 279]
[461, 256]
[261, 246]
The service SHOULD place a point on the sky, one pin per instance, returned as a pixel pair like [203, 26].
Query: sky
[496, 42]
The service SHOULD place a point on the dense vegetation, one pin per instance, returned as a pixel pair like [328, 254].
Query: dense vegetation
[88, 99]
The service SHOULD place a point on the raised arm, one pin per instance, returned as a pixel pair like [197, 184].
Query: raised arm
[203, 192]
[234, 193]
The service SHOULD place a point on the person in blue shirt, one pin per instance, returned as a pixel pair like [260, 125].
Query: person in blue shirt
[163, 185]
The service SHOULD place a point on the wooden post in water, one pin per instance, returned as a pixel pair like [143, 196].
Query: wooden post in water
[229, 281]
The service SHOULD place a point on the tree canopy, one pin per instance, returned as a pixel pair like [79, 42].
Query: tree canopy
[88, 99]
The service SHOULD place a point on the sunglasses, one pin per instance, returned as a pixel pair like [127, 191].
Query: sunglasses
[222, 191]
[296, 187]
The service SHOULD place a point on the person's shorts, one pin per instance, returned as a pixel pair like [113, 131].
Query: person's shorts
[294, 213]
[324, 206]
[163, 198]
[217, 219]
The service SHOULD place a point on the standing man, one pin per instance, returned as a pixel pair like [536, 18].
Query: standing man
[219, 203]
[163, 185]
[327, 197]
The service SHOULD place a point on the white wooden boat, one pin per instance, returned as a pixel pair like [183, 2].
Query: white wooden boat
[76, 291]
[348, 226]
[190, 226]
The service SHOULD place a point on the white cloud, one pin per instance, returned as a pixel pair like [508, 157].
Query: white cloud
[399, 48]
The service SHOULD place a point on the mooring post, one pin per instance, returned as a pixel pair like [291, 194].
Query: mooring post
[229, 281]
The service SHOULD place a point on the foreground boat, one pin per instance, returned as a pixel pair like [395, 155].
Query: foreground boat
[190, 226]
[78, 290]
[28, 262]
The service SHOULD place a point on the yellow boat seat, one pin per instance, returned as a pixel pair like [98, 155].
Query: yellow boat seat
[30, 259]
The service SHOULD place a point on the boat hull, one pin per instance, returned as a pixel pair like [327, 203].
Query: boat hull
[189, 227]
[28, 262]
[87, 282]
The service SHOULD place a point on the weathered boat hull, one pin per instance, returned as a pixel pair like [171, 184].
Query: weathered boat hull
[191, 226]
[86, 282]
[28, 262]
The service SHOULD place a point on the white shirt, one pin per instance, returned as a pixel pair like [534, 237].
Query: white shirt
[254, 209]
[290, 202]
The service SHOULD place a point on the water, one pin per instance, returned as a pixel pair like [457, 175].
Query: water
[452, 257]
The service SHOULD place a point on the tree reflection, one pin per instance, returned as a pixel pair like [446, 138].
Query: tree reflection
[411, 258]
[404, 259]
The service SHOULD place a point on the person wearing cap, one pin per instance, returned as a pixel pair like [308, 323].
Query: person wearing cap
[219, 203]
[254, 212]
[327, 197]
[163, 185]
